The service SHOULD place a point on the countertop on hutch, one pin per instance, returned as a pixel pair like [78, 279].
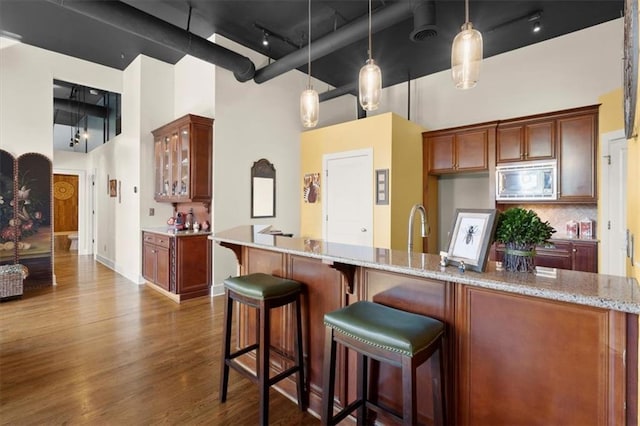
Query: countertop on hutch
[582, 288]
[171, 232]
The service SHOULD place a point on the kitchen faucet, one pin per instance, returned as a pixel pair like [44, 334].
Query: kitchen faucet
[424, 228]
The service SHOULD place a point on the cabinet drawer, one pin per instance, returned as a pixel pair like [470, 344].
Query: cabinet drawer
[162, 240]
[148, 237]
[157, 239]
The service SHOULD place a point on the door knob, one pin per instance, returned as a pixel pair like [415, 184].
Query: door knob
[363, 229]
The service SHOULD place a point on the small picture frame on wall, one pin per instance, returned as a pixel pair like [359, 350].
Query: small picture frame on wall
[382, 186]
[113, 188]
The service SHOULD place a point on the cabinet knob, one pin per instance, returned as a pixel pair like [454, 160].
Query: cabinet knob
[575, 250]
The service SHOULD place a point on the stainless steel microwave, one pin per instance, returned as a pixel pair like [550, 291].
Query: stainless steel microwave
[527, 181]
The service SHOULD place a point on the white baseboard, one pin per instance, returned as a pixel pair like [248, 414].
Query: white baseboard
[106, 262]
[217, 290]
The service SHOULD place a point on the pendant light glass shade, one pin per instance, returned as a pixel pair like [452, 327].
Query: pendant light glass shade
[370, 80]
[309, 107]
[466, 55]
[370, 86]
[309, 101]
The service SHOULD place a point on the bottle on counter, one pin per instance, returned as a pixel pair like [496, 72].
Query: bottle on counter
[196, 226]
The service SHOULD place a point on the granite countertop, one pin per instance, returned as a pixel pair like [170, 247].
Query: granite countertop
[171, 232]
[583, 288]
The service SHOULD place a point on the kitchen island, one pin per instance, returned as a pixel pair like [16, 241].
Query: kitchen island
[558, 348]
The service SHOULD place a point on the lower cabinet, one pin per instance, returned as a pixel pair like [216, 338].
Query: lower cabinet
[508, 357]
[176, 264]
[155, 255]
[573, 255]
[546, 362]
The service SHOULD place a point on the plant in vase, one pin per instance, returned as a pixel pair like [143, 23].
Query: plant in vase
[521, 230]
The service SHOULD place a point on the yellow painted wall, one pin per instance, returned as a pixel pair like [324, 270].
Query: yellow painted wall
[397, 146]
[406, 181]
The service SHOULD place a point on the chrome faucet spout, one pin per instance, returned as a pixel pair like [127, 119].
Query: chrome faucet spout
[424, 227]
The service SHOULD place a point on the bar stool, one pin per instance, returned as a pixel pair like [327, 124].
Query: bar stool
[263, 292]
[384, 334]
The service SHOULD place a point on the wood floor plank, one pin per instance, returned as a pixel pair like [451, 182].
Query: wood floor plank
[98, 349]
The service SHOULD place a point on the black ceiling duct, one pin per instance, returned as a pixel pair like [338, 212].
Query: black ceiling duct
[344, 36]
[134, 21]
[424, 21]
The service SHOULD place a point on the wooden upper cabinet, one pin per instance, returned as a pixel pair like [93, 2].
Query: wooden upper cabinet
[183, 156]
[441, 153]
[577, 138]
[463, 149]
[525, 140]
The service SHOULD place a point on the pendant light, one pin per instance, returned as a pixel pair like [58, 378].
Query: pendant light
[370, 80]
[309, 101]
[466, 54]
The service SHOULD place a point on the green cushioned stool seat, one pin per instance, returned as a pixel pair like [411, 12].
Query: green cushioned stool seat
[387, 328]
[261, 286]
[263, 292]
[379, 333]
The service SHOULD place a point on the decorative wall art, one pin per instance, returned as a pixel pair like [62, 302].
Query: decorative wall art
[26, 235]
[113, 188]
[471, 235]
[311, 188]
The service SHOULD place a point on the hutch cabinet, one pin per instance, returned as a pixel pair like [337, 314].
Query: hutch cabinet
[182, 151]
[462, 149]
[176, 263]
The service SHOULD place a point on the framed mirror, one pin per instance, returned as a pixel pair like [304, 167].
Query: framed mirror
[263, 189]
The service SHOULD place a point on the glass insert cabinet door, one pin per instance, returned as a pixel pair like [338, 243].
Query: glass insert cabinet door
[183, 155]
[183, 143]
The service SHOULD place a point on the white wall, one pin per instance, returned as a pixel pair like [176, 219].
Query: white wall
[255, 121]
[564, 72]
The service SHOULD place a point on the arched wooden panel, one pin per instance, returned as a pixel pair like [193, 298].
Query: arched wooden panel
[7, 187]
[33, 210]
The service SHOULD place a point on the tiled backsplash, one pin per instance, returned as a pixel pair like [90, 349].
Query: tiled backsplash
[559, 215]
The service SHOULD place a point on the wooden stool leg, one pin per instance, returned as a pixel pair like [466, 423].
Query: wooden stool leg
[409, 400]
[302, 395]
[263, 362]
[363, 374]
[437, 374]
[226, 346]
[328, 379]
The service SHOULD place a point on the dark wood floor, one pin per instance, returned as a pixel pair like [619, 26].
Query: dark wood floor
[98, 349]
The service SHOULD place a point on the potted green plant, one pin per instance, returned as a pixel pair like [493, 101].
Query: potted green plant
[521, 230]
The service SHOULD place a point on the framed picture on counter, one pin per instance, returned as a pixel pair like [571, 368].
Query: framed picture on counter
[471, 234]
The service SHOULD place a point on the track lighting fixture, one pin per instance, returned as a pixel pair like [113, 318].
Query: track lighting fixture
[265, 38]
[536, 27]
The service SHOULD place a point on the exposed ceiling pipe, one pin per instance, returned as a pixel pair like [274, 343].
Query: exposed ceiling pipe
[70, 105]
[134, 21]
[338, 39]
[351, 88]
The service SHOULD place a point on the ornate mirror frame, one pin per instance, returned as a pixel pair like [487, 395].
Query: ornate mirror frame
[263, 189]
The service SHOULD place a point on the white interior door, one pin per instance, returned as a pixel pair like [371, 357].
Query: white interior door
[613, 201]
[348, 195]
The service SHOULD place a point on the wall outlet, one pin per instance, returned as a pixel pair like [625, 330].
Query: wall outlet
[152, 211]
